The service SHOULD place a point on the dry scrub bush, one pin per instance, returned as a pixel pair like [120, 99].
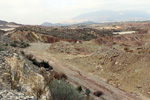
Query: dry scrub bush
[1, 47]
[60, 90]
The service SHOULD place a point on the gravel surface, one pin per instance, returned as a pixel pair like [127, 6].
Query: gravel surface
[14, 95]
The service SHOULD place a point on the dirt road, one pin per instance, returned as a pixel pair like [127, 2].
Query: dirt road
[79, 77]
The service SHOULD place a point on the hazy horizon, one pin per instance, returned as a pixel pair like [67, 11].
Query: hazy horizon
[39, 11]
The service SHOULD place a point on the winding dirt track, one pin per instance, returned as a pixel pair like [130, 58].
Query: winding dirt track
[80, 78]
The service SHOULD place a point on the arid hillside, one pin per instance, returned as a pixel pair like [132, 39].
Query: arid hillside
[122, 61]
[7, 26]
[111, 66]
[24, 77]
[64, 33]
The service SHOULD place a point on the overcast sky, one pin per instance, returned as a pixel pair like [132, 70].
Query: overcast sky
[39, 11]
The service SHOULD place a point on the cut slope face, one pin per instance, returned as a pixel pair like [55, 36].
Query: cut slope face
[124, 40]
[30, 36]
[19, 74]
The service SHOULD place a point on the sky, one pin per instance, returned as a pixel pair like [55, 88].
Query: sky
[38, 11]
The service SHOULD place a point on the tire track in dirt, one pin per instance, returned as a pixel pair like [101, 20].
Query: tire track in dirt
[84, 79]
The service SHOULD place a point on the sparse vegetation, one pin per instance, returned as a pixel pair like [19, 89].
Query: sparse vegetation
[60, 90]
[20, 44]
[13, 44]
[68, 33]
[87, 92]
[2, 48]
[79, 88]
[45, 65]
[98, 93]
[59, 76]
[38, 63]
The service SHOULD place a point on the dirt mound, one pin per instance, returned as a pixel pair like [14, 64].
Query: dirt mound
[127, 39]
[69, 48]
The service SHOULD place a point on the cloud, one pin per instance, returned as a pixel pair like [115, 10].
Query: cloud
[39, 11]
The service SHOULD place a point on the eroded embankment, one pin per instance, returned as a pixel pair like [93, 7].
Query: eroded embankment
[83, 79]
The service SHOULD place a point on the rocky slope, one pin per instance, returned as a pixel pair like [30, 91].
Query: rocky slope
[33, 33]
[25, 78]
[123, 64]
[19, 74]
[79, 76]
[14, 95]
[121, 60]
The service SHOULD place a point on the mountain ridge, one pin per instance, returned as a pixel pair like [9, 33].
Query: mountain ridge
[52, 24]
[104, 16]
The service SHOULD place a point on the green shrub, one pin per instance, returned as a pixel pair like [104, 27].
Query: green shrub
[63, 91]
[23, 44]
[45, 65]
[87, 92]
[13, 44]
[79, 88]
[1, 47]
[20, 44]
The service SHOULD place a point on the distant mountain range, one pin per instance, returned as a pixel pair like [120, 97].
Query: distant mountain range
[61, 24]
[88, 22]
[4, 25]
[7, 23]
[52, 24]
[110, 16]
[2, 22]
[104, 16]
